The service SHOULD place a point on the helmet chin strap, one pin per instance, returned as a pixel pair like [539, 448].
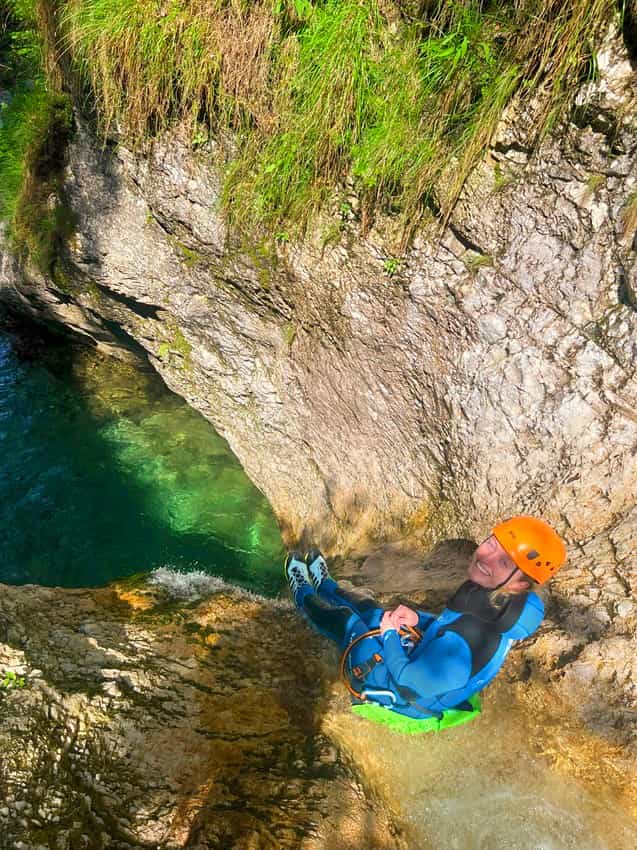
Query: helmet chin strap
[506, 580]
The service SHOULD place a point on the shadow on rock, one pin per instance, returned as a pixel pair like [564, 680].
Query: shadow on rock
[160, 723]
[402, 572]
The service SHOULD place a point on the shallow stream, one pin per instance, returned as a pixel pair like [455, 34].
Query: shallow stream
[105, 473]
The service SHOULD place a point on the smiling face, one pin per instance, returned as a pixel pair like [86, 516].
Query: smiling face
[491, 566]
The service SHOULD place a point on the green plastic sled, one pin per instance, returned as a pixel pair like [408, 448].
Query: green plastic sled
[410, 726]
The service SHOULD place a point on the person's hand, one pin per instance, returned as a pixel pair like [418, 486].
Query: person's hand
[405, 616]
[401, 616]
[388, 622]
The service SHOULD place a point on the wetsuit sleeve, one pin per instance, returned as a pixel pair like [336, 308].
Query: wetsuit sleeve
[530, 618]
[443, 665]
[424, 620]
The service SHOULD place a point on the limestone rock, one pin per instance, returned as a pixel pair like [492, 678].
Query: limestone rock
[153, 723]
[492, 374]
[212, 719]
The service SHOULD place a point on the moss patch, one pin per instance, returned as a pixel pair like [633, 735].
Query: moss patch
[475, 262]
[36, 124]
[502, 178]
[289, 333]
[42, 220]
[189, 257]
[177, 344]
[629, 215]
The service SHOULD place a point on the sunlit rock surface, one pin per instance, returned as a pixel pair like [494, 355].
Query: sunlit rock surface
[149, 719]
[487, 371]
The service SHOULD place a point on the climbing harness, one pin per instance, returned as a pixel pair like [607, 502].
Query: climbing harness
[361, 670]
[364, 704]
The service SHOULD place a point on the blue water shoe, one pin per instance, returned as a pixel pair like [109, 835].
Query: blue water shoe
[297, 576]
[317, 568]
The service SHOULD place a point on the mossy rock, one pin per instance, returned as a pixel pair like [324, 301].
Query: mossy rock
[43, 220]
[176, 344]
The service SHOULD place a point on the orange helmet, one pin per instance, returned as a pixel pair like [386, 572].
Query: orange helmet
[535, 547]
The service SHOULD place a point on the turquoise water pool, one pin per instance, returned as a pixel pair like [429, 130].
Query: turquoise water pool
[105, 473]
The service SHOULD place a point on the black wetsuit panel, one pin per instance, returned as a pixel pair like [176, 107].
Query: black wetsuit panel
[328, 618]
[482, 623]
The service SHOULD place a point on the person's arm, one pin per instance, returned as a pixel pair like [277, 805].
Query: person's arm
[444, 664]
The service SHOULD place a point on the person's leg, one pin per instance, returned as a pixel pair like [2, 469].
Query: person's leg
[336, 621]
[365, 606]
[298, 578]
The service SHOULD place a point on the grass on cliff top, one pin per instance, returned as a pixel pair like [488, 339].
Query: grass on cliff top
[390, 99]
[35, 126]
[18, 129]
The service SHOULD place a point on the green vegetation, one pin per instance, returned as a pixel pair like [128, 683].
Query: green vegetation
[18, 131]
[391, 265]
[289, 333]
[177, 344]
[594, 183]
[41, 220]
[325, 93]
[10, 680]
[19, 42]
[502, 178]
[181, 344]
[190, 258]
[475, 262]
[319, 100]
[35, 125]
[20, 62]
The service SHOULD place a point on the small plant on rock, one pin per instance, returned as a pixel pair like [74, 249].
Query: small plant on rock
[11, 680]
[474, 262]
[502, 178]
[391, 266]
[594, 183]
[289, 333]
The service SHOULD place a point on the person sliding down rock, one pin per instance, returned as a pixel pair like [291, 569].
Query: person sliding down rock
[416, 664]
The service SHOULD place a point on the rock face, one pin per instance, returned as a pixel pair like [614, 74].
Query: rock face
[146, 721]
[488, 371]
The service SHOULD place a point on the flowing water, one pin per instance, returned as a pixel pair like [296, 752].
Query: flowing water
[516, 778]
[105, 473]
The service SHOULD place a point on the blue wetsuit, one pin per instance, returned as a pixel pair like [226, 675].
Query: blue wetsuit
[461, 650]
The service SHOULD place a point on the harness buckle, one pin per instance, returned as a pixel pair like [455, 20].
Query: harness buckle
[359, 671]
